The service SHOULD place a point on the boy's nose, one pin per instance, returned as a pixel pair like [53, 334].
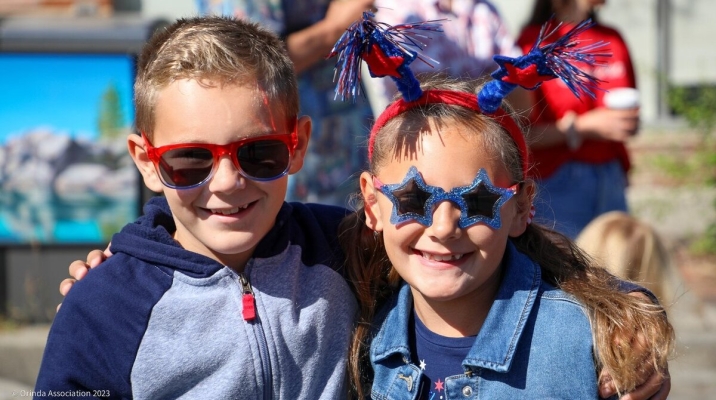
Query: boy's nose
[226, 177]
[446, 218]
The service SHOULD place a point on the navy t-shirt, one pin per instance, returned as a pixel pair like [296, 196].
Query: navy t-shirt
[438, 356]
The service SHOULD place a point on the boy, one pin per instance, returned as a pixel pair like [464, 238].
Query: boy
[225, 299]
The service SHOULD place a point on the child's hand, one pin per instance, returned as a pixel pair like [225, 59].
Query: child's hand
[655, 387]
[79, 268]
[651, 383]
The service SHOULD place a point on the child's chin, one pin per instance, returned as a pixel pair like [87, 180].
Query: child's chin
[437, 292]
[234, 244]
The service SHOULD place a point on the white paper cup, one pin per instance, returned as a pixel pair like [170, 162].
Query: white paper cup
[622, 98]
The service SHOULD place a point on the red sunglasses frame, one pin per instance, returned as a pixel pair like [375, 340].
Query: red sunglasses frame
[220, 150]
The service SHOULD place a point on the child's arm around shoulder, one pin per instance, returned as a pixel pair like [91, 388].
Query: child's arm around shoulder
[95, 335]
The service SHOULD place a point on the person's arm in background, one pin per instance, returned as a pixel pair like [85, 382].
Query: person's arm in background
[311, 45]
[599, 124]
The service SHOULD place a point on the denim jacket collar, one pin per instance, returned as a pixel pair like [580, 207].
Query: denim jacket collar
[495, 345]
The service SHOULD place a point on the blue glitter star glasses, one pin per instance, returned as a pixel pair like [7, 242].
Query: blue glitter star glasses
[413, 200]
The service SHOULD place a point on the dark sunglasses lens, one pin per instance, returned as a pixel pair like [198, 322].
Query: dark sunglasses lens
[186, 167]
[480, 201]
[264, 159]
[411, 199]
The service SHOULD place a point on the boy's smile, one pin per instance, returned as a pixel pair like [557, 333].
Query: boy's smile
[227, 216]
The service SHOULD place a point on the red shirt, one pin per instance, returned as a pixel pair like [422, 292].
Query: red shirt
[554, 99]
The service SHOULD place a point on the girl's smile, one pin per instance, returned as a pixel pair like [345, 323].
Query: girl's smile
[443, 262]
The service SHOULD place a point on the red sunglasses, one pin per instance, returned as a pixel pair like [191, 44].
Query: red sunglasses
[189, 165]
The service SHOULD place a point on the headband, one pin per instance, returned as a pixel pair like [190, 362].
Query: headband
[462, 99]
[389, 50]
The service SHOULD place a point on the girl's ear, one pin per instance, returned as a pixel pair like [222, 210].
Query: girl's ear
[303, 131]
[373, 216]
[524, 208]
[135, 144]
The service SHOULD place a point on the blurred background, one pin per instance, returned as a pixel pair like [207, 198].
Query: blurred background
[66, 183]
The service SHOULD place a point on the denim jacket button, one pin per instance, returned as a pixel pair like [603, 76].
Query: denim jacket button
[467, 391]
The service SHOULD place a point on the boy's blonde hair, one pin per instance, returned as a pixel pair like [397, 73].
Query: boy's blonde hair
[213, 51]
[630, 249]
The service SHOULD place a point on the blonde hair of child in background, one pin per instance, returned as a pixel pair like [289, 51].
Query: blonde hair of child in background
[631, 249]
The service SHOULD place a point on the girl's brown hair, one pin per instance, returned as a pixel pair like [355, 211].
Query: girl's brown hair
[616, 317]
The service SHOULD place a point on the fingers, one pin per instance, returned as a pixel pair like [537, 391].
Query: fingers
[65, 286]
[106, 252]
[657, 386]
[95, 257]
[606, 385]
[607, 124]
[629, 122]
[663, 392]
[78, 269]
[626, 123]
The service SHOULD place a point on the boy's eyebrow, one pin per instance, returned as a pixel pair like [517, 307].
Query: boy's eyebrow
[259, 131]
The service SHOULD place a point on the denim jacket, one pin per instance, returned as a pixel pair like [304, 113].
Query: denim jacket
[536, 343]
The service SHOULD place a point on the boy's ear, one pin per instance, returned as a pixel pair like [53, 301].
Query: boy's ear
[524, 215]
[135, 144]
[303, 131]
[373, 216]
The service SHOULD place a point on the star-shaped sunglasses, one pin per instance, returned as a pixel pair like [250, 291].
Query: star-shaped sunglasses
[413, 199]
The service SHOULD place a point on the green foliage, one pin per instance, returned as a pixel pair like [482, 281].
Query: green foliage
[697, 169]
[111, 120]
[696, 104]
[705, 244]
[673, 167]
[698, 107]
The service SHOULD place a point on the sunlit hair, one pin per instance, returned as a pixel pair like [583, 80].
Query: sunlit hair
[213, 51]
[616, 317]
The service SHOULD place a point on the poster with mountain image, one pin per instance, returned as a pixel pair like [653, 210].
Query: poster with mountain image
[65, 174]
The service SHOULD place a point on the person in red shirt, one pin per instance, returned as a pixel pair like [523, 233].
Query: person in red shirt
[578, 144]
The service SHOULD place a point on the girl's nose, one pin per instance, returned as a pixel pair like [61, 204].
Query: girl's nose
[227, 177]
[446, 218]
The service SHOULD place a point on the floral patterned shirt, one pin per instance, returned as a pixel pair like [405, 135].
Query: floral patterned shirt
[473, 33]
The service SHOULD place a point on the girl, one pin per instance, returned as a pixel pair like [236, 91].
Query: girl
[466, 281]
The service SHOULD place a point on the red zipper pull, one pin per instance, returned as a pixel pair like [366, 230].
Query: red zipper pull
[249, 305]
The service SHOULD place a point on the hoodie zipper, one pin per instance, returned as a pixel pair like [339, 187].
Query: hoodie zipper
[249, 313]
[247, 299]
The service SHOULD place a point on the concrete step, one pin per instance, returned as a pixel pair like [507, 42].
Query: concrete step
[21, 354]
